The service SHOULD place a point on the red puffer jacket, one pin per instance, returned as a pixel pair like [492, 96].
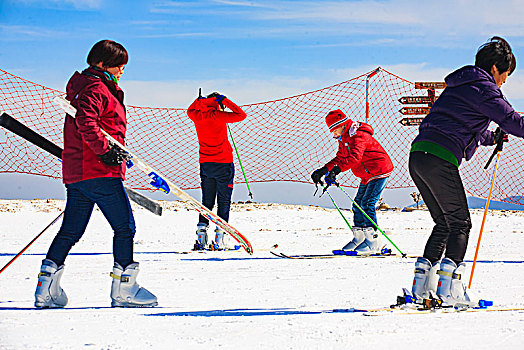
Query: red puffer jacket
[361, 153]
[97, 107]
[211, 128]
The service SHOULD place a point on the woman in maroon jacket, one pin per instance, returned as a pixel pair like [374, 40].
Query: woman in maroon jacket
[216, 159]
[360, 152]
[93, 171]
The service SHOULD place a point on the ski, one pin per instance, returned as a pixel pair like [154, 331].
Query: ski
[144, 201]
[161, 182]
[16, 127]
[331, 256]
[407, 304]
[421, 311]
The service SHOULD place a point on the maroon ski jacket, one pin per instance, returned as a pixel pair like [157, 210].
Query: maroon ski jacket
[99, 104]
[360, 152]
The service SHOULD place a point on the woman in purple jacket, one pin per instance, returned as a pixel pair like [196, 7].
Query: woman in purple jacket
[454, 128]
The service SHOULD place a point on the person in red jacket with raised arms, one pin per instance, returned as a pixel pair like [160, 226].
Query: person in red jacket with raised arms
[217, 170]
[360, 152]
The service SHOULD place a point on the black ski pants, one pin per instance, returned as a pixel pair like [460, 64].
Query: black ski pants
[440, 185]
[217, 184]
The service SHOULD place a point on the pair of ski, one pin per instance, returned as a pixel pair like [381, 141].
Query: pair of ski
[38, 140]
[407, 304]
[158, 180]
[338, 254]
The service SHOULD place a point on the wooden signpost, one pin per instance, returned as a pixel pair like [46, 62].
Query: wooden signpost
[416, 100]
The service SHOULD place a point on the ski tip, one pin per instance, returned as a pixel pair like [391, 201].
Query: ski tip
[485, 303]
[350, 310]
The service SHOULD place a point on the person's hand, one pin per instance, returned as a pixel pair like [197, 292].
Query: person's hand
[499, 135]
[331, 177]
[114, 157]
[218, 97]
[316, 176]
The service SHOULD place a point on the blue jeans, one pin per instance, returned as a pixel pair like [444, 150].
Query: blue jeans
[367, 198]
[110, 196]
[216, 183]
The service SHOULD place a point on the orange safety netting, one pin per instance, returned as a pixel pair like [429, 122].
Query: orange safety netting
[281, 140]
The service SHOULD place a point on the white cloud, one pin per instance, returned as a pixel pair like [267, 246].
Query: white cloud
[180, 93]
[78, 4]
[241, 3]
[445, 23]
[18, 32]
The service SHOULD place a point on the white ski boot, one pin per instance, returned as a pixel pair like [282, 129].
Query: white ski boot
[219, 243]
[371, 244]
[426, 279]
[48, 292]
[201, 242]
[125, 292]
[450, 288]
[358, 238]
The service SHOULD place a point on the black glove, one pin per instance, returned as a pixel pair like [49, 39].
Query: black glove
[499, 135]
[317, 175]
[115, 156]
[218, 97]
[331, 177]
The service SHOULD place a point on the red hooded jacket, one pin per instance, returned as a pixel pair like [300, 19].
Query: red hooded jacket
[211, 127]
[97, 107]
[361, 153]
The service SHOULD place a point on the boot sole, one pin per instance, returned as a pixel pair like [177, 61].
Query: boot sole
[128, 305]
[48, 306]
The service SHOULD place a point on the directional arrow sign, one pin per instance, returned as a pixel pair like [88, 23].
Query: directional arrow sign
[414, 110]
[430, 85]
[411, 121]
[415, 99]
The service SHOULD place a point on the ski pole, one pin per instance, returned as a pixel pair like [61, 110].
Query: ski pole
[338, 209]
[240, 162]
[28, 245]
[498, 150]
[373, 222]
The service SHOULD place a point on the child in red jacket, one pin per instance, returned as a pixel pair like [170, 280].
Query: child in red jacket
[360, 152]
[217, 170]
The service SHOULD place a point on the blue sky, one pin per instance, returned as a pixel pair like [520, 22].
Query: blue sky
[254, 51]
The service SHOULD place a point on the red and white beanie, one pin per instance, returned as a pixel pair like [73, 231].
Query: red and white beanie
[335, 119]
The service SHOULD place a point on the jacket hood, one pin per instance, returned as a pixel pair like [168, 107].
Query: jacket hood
[467, 75]
[359, 126]
[79, 81]
[204, 105]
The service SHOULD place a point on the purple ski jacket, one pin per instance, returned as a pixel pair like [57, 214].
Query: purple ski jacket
[460, 117]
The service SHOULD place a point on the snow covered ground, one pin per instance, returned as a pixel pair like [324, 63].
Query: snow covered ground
[231, 300]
